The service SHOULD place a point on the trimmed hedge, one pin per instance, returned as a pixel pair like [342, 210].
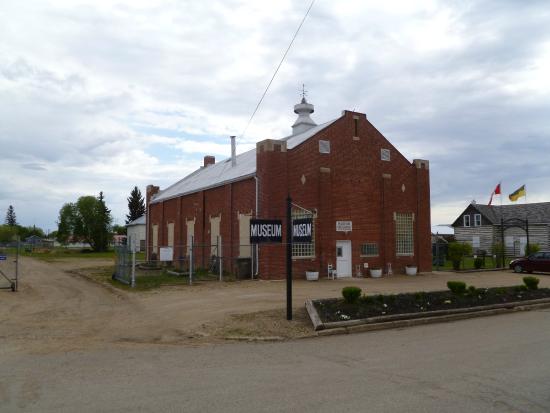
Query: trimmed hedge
[351, 294]
[457, 287]
[531, 282]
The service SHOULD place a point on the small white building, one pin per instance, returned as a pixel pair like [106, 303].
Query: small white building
[135, 232]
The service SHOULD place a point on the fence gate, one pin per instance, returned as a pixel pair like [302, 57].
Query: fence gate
[124, 265]
[9, 266]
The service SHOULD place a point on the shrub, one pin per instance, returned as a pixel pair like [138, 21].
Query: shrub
[531, 249]
[498, 250]
[520, 288]
[351, 294]
[478, 263]
[531, 282]
[367, 299]
[472, 290]
[457, 287]
[456, 251]
[500, 290]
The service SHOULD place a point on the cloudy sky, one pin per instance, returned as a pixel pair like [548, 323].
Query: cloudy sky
[104, 95]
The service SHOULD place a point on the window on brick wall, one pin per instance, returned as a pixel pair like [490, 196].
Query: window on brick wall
[404, 236]
[304, 249]
[369, 249]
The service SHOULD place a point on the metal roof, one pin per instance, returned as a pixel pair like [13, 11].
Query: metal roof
[222, 172]
[137, 221]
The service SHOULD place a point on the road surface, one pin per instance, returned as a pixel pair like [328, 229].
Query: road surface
[491, 364]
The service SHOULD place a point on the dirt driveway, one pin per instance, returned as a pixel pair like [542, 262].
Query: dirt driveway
[56, 310]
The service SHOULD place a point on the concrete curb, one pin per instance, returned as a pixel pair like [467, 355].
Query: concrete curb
[387, 322]
[255, 338]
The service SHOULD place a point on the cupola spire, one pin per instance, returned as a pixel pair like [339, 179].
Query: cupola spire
[303, 110]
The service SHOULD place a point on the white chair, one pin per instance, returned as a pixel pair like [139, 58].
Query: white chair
[331, 272]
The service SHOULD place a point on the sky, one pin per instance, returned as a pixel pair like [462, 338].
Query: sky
[105, 95]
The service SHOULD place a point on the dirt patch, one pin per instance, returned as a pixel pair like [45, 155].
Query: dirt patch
[270, 324]
[71, 304]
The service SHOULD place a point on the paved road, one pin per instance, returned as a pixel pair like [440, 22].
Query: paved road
[492, 364]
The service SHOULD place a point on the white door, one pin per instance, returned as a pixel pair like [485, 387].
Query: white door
[343, 259]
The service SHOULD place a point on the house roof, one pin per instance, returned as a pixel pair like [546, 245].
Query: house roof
[223, 172]
[137, 221]
[536, 213]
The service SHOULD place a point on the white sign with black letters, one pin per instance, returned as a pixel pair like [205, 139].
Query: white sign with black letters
[343, 226]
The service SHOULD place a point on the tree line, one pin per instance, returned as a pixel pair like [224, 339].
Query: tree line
[87, 220]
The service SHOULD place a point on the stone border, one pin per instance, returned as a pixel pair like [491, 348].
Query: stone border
[412, 319]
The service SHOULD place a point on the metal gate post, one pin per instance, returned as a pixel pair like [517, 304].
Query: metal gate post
[17, 264]
[220, 257]
[191, 260]
[133, 282]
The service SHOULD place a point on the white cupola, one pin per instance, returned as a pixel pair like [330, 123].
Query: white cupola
[304, 122]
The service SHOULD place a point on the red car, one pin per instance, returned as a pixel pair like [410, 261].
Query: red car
[539, 261]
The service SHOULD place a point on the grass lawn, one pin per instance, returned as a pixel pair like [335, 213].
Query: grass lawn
[57, 253]
[148, 280]
[468, 264]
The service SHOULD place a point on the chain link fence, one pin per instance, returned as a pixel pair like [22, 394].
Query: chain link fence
[185, 264]
[9, 265]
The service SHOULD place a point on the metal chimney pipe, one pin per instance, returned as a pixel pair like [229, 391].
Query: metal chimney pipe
[233, 151]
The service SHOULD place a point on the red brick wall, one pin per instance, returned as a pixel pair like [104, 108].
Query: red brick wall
[351, 183]
[227, 200]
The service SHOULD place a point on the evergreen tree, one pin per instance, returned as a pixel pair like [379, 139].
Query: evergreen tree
[136, 205]
[10, 217]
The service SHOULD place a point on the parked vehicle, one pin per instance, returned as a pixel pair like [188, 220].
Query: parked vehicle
[539, 261]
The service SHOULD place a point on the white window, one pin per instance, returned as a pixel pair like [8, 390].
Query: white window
[324, 146]
[404, 237]
[170, 227]
[477, 220]
[369, 249]
[214, 234]
[385, 154]
[190, 233]
[245, 249]
[304, 249]
[466, 220]
[155, 238]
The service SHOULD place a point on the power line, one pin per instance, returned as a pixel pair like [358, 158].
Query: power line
[277, 70]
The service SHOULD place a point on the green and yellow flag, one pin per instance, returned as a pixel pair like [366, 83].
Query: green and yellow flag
[518, 193]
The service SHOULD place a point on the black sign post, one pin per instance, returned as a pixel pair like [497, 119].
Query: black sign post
[289, 258]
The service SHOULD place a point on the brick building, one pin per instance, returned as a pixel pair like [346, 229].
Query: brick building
[370, 205]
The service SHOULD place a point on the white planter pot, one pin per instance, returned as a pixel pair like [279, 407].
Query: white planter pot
[411, 270]
[376, 272]
[312, 275]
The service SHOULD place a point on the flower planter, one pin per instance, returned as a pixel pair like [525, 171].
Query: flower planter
[312, 275]
[411, 269]
[376, 272]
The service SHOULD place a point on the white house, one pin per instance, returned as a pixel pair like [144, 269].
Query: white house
[135, 232]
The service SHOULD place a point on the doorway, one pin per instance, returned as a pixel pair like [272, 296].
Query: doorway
[343, 259]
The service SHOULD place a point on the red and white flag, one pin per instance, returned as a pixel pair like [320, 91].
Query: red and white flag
[495, 192]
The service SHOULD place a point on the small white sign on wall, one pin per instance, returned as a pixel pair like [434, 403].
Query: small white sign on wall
[343, 226]
[509, 241]
[166, 253]
[475, 241]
